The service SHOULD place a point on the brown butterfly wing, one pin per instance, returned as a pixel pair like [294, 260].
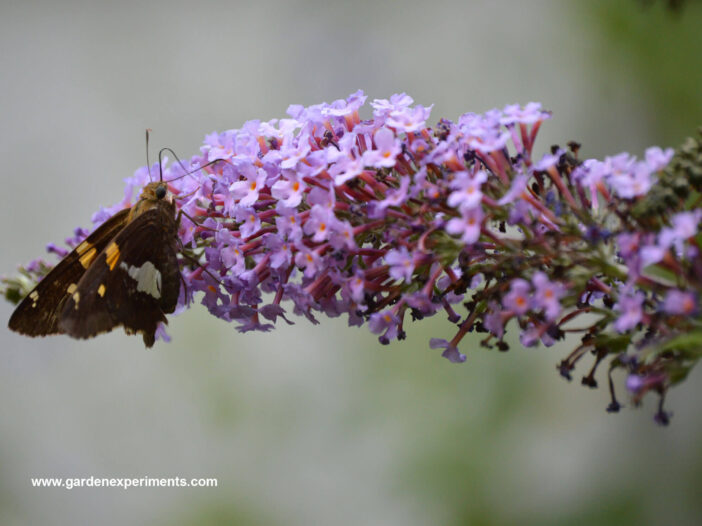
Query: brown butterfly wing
[38, 313]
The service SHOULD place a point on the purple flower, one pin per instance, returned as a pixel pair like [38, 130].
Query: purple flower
[356, 287]
[493, 321]
[272, 312]
[468, 225]
[635, 383]
[401, 264]
[294, 151]
[233, 259]
[421, 304]
[247, 191]
[53, 248]
[629, 243]
[517, 299]
[648, 255]
[346, 169]
[322, 197]
[629, 307]
[35, 266]
[684, 227]
[218, 146]
[515, 191]
[161, 333]
[483, 133]
[288, 224]
[289, 191]
[680, 302]
[410, 119]
[395, 197]
[547, 295]
[591, 175]
[397, 103]
[467, 192]
[281, 251]
[388, 148]
[530, 114]
[530, 336]
[343, 108]
[319, 223]
[476, 280]
[342, 236]
[520, 213]
[549, 160]
[250, 222]
[309, 261]
[657, 158]
[451, 352]
[627, 177]
[385, 321]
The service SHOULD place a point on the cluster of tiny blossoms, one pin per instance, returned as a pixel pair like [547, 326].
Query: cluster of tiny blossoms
[390, 219]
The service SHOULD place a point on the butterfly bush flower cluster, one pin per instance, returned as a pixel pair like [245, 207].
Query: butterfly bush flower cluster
[390, 219]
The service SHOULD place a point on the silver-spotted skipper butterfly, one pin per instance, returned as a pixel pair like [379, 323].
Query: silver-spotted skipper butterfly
[123, 274]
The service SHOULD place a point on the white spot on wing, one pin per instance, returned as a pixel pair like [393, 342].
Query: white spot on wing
[147, 276]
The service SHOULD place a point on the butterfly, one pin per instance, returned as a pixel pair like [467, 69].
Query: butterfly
[125, 274]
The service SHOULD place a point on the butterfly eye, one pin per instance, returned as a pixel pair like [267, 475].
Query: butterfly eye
[160, 192]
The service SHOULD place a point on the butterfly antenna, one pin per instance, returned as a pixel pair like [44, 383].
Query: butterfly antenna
[200, 168]
[174, 155]
[148, 164]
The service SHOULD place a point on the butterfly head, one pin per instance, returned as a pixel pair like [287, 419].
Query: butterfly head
[157, 192]
[154, 195]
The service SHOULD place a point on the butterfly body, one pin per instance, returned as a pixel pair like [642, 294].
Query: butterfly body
[124, 274]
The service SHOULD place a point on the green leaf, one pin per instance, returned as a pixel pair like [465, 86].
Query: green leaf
[689, 343]
[613, 343]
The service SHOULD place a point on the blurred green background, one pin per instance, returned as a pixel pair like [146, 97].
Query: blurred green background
[322, 424]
